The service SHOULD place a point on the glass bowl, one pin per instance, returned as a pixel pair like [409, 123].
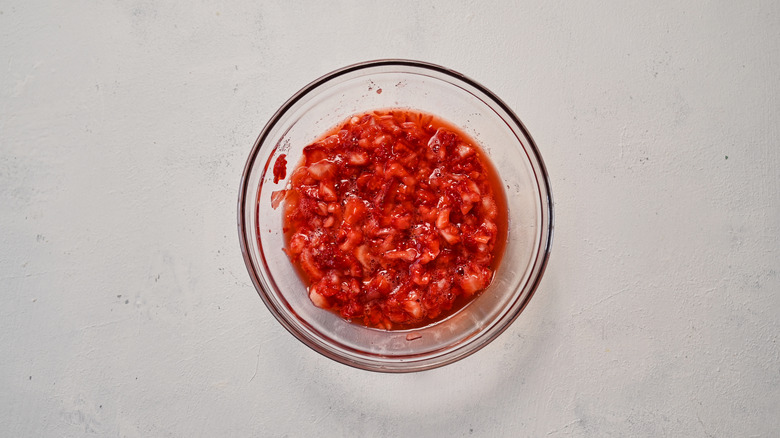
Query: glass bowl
[405, 84]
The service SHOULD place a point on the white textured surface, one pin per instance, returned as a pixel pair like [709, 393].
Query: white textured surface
[126, 309]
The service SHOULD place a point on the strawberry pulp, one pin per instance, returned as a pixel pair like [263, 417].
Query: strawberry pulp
[395, 219]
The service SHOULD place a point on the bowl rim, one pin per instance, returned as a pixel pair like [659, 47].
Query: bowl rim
[434, 361]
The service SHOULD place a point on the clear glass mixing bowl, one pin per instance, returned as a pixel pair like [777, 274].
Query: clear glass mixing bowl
[406, 84]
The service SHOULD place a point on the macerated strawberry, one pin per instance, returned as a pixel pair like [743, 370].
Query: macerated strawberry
[408, 255]
[309, 266]
[327, 191]
[474, 278]
[314, 153]
[353, 238]
[402, 221]
[393, 219]
[465, 150]
[331, 141]
[354, 210]
[413, 308]
[277, 197]
[317, 298]
[388, 124]
[298, 243]
[364, 256]
[359, 158]
[322, 170]
[489, 207]
[353, 309]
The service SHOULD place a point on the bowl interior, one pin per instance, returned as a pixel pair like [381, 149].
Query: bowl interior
[331, 100]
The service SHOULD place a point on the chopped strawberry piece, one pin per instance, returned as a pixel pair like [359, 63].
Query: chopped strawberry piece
[277, 197]
[322, 170]
[280, 168]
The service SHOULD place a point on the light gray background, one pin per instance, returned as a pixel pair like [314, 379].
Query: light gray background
[126, 309]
